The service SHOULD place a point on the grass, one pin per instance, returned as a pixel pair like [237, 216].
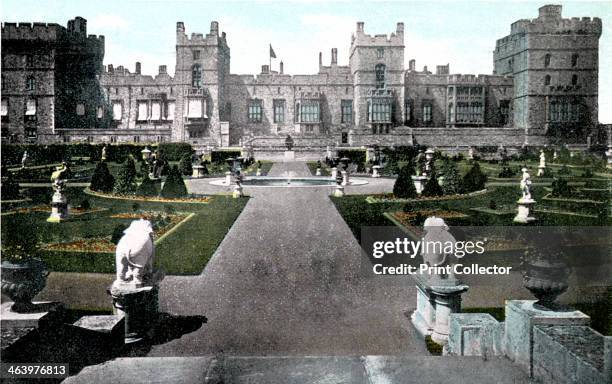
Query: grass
[312, 166]
[433, 347]
[186, 251]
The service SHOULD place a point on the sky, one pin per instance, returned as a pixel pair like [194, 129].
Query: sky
[461, 34]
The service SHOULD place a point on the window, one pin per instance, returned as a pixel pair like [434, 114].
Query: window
[254, 111]
[279, 111]
[427, 113]
[574, 79]
[143, 112]
[137, 139]
[408, 111]
[100, 112]
[170, 111]
[80, 109]
[4, 107]
[380, 53]
[156, 110]
[379, 111]
[117, 110]
[451, 112]
[510, 65]
[347, 111]
[196, 55]
[574, 59]
[30, 83]
[380, 75]
[196, 111]
[309, 112]
[196, 76]
[547, 60]
[30, 107]
[564, 110]
[547, 80]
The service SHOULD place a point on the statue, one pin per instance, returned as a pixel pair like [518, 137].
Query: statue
[437, 232]
[542, 159]
[526, 185]
[24, 159]
[58, 178]
[420, 163]
[59, 201]
[289, 142]
[103, 155]
[134, 255]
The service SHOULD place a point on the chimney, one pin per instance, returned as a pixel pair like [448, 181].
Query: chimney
[162, 70]
[180, 26]
[400, 28]
[412, 65]
[334, 56]
[265, 69]
[111, 69]
[425, 69]
[214, 28]
[137, 68]
[360, 26]
[550, 11]
[320, 59]
[281, 68]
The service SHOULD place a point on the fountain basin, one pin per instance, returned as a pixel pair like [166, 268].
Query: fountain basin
[269, 181]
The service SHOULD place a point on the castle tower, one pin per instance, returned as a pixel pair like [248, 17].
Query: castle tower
[554, 62]
[202, 64]
[377, 69]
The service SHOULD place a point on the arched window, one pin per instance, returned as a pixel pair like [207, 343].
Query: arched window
[574, 79]
[547, 60]
[574, 59]
[380, 75]
[30, 83]
[196, 76]
[547, 80]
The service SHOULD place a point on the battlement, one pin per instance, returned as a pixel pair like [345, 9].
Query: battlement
[211, 38]
[136, 77]
[360, 38]
[466, 79]
[550, 21]
[49, 32]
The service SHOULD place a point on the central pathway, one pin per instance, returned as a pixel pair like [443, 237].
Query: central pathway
[287, 280]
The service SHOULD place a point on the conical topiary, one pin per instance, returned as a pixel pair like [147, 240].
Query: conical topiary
[126, 179]
[432, 187]
[452, 180]
[174, 186]
[474, 180]
[185, 165]
[102, 180]
[148, 187]
[404, 186]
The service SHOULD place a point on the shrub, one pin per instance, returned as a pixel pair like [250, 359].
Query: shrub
[10, 188]
[404, 186]
[185, 165]
[560, 188]
[148, 187]
[588, 173]
[126, 179]
[432, 187]
[564, 171]
[452, 180]
[118, 233]
[507, 172]
[219, 157]
[175, 151]
[102, 180]
[169, 209]
[492, 205]
[474, 180]
[174, 185]
[135, 206]
[85, 205]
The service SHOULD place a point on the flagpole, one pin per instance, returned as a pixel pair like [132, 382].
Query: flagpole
[270, 66]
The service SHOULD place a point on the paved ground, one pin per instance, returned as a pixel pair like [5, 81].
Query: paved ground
[287, 280]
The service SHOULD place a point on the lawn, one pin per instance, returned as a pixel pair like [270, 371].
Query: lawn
[184, 251]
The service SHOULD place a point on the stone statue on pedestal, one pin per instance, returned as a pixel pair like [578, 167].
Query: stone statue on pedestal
[437, 232]
[59, 201]
[24, 159]
[526, 185]
[134, 255]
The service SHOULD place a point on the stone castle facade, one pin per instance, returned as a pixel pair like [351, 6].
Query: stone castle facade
[544, 83]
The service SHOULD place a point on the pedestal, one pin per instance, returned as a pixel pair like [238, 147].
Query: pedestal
[139, 306]
[289, 156]
[44, 313]
[258, 173]
[376, 171]
[447, 301]
[318, 173]
[334, 173]
[541, 170]
[609, 156]
[228, 178]
[237, 191]
[339, 191]
[521, 317]
[419, 183]
[524, 209]
[423, 318]
[198, 171]
[345, 178]
[59, 208]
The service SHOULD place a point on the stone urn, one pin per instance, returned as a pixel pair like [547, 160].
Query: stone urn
[21, 282]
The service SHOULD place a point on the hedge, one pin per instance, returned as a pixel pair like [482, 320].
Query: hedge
[221, 156]
[357, 156]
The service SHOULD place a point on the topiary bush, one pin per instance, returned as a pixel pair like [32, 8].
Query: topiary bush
[126, 179]
[560, 188]
[588, 173]
[174, 185]
[10, 188]
[404, 186]
[507, 172]
[185, 165]
[452, 180]
[148, 187]
[474, 180]
[432, 187]
[102, 180]
[564, 171]
[85, 205]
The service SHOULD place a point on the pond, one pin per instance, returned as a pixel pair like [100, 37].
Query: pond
[266, 181]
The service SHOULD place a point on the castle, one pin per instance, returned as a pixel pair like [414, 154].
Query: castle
[544, 84]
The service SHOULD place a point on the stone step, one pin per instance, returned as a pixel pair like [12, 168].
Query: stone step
[302, 370]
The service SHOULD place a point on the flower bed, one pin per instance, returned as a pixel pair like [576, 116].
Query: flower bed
[389, 198]
[74, 211]
[189, 200]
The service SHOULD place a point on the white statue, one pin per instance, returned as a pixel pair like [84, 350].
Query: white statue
[24, 159]
[542, 159]
[438, 248]
[134, 255]
[103, 155]
[526, 185]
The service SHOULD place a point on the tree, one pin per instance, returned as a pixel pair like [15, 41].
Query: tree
[185, 165]
[474, 180]
[432, 187]
[102, 180]
[174, 185]
[126, 179]
[10, 188]
[452, 180]
[404, 186]
[560, 188]
[148, 187]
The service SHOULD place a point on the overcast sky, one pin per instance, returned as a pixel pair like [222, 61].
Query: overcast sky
[462, 34]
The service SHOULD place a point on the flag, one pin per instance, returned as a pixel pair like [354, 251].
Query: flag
[272, 54]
